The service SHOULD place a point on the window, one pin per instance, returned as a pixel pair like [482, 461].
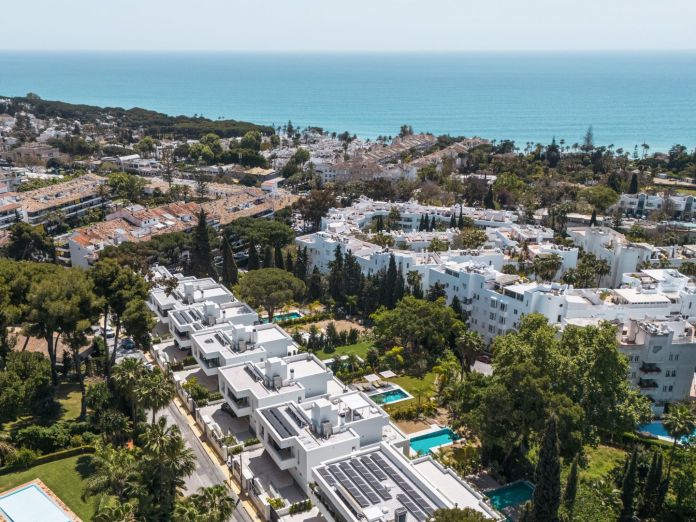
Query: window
[671, 388]
[492, 316]
[559, 318]
[633, 375]
[664, 388]
[670, 356]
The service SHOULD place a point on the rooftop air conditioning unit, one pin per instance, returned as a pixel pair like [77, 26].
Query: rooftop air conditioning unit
[326, 429]
[277, 381]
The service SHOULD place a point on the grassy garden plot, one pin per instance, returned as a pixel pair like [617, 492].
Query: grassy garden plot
[66, 478]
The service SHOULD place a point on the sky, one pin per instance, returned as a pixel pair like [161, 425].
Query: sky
[350, 25]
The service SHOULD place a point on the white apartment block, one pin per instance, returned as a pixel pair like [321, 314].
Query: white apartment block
[643, 204]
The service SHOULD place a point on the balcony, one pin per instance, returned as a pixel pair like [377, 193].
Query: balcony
[646, 384]
[649, 368]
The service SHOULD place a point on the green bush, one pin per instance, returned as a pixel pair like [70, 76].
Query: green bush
[251, 442]
[22, 458]
[276, 503]
[215, 396]
[43, 439]
[301, 507]
[189, 360]
[198, 392]
[236, 450]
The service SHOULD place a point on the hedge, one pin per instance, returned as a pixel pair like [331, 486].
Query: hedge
[52, 457]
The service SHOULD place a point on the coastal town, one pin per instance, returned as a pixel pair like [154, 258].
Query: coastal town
[216, 320]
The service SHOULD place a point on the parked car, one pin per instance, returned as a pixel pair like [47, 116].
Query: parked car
[110, 334]
[127, 344]
[227, 408]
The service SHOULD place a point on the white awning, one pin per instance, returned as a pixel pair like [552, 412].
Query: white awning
[387, 374]
[371, 377]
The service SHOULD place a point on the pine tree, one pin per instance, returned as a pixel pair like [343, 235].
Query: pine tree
[547, 494]
[400, 288]
[488, 201]
[267, 257]
[315, 288]
[633, 186]
[571, 489]
[200, 249]
[279, 258]
[253, 261]
[289, 265]
[593, 219]
[628, 490]
[380, 223]
[230, 272]
[352, 275]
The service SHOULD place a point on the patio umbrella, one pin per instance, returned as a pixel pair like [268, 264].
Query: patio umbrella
[371, 378]
[387, 374]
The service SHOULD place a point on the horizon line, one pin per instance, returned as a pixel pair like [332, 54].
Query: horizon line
[354, 51]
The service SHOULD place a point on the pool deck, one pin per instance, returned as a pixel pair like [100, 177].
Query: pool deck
[47, 491]
[387, 387]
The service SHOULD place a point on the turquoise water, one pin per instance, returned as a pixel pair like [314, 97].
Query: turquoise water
[30, 504]
[513, 494]
[277, 318]
[389, 396]
[658, 429]
[628, 97]
[424, 443]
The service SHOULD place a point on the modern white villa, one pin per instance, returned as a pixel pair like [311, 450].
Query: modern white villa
[307, 422]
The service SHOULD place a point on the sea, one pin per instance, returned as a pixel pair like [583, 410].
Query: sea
[628, 98]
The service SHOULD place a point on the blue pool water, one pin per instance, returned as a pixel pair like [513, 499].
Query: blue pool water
[30, 504]
[283, 317]
[389, 396]
[424, 443]
[657, 429]
[513, 494]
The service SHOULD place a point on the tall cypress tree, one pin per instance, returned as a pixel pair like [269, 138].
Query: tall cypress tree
[651, 499]
[453, 221]
[336, 276]
[571, 489]
[400, 287]
[432, 223]
[633, 186]
[315, 289]
[301, 264]
[456, 306]
[460, 221]
[253, 262]
[230, 272]
[488, 201]
[279, 258]
[380, 223]
[547, 493]
[200, 249]
[593, 219]
[421, 223]
[289, 265]
[267, 257]
[628, 490]
[390, 283]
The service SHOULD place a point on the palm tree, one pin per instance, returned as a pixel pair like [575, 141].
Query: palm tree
[76, 339]
[469, 347]
[154, 392]
[167, 461]
[215, 502]
[186, 510]
[601, 268]
[127, 375]
[115, 473]
[122, 512]
[351, 303]
[679, 422]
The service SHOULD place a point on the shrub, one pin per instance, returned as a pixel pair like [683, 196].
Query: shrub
[189, 360]
[251, 442]
[215, 396]
[236, 449]
[43, 439]
[176, 366]
[229, 440]
[301, 507]
[276, 503]
[22, 458]
[198, 392]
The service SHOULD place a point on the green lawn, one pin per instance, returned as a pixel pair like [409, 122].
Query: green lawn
[425, 386]
[602, 459]
[65, 478]
[359, 349]
[67, 395]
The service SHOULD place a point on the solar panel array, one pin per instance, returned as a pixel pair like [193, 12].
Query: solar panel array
[352, 489]
[411, 506]
[405, 486]
[360, 482]
[371, 480]
[273, 417]
[328, 477]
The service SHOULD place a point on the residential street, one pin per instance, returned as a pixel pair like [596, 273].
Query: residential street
[207, 472]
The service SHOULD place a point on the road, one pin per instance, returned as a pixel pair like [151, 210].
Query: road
[207, 472]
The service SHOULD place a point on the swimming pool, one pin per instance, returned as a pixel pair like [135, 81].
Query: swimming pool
[424, 443]
[278, 318]
[657, 429]
[387, 397]
[29, 504]
[512, 495]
